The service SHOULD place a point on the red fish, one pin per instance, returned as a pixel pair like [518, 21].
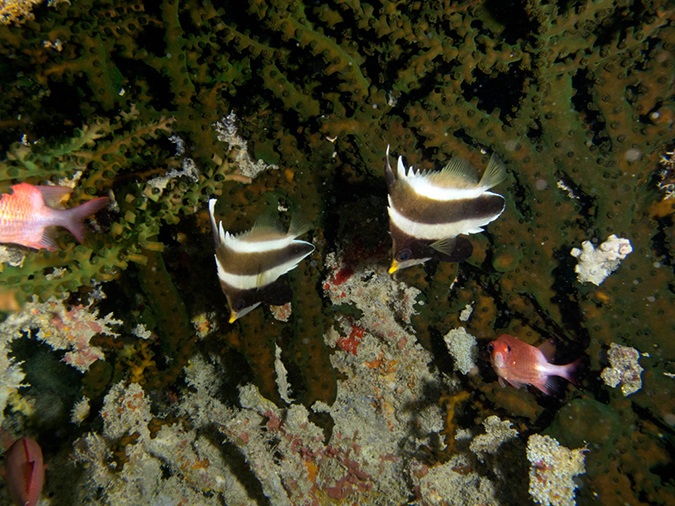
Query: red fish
[27, 215]
[519, 364]
[25, 472]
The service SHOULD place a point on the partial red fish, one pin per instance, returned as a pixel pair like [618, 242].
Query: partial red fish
[519, 364]
[26, 215]
[25, 471]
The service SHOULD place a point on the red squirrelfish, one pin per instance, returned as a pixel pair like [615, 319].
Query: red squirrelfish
[25, 472]
[27, 215]
[519, 364]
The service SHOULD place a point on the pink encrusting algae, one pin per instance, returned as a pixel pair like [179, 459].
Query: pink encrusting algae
[27, 215]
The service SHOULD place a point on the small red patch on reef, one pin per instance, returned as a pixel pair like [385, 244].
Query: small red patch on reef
[352, 341]
[343, 275]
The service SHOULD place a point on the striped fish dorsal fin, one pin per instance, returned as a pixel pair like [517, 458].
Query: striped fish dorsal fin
[494, 173]
[299, 225]
[265, 228]
[458, 173]
[401, 170]
[214, 226]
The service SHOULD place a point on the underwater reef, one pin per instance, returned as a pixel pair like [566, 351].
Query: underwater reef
[116, 354]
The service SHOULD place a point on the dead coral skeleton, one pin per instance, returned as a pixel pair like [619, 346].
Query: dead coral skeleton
[667, 175]
[552, 471]
[63, 329]
[624, 369]
[497, 432]
[227, 132]
[595, 264]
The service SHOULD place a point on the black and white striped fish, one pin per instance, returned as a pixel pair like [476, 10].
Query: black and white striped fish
[429, 210]
[250, 264]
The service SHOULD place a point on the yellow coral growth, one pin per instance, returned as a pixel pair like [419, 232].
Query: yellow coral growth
[451, 401]
[16, 10]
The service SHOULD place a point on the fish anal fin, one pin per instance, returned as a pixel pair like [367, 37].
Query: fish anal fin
[47, 240]
[551, 386]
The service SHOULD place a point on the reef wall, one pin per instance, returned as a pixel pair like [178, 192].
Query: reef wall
[134, 100]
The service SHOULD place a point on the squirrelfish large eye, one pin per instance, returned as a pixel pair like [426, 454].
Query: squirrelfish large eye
[508, 348]
[490, 348]
[403, 255]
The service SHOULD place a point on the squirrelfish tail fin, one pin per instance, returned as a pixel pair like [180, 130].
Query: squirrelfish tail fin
[572, 372]
[73, 219]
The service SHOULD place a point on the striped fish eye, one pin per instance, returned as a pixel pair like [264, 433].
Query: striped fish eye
[403, 255]
[239, 305]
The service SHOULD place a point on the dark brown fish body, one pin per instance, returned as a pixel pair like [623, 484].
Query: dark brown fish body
[250, 264]
[428, 211]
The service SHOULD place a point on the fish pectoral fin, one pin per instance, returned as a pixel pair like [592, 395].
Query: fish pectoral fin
[445, 246]
[276, 294]
[452, 249]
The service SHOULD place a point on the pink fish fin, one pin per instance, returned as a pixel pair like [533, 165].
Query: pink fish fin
[29, 472]
[572, 372]
[73, 219]
[548, 349]
[53, 195]
[549, 387]
[515, 384]
[46, 241]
